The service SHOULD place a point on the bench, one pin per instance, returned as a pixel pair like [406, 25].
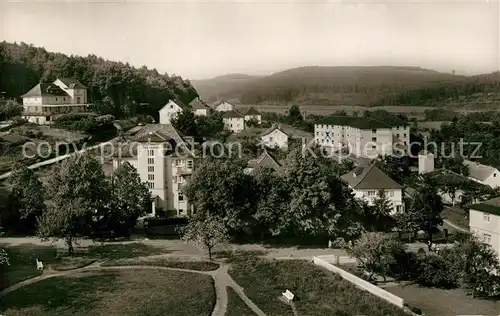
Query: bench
[288, 296]
[39, 264]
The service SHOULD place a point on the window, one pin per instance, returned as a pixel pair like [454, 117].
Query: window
[374, 139]
[190, 164]
[151, 161]
[181, 211]
[404, 135]
[391, 193]
[486, 217]
[64, 99]
[371, 193]
[398, 208]
[151, 177]
[374, 130]
[374, 146]
[270, 139]
[151, 169]
[494, 175]
[171, 106]
[78, 100]
[177, 162]
[150, 185]
[397, 135]
[56, 99]
[151, 152]
[487, 239]
[181, 196]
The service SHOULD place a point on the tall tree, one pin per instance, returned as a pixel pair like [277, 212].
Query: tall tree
[379, 217]
[78, 193]
[10, 109]
[26, 201]
[426, 208]
[206, 232]
[130, 198]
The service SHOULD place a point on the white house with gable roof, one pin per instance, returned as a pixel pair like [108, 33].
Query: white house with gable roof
[483, 174]
[170, 110]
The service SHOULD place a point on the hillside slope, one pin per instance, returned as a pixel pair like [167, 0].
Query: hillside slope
[215, 88]
[116, 88]
[381, 85]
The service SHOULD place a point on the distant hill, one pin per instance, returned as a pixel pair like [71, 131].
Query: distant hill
[215, 88]
[378, 85]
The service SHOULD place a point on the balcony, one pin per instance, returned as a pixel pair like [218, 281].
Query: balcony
[184, 171]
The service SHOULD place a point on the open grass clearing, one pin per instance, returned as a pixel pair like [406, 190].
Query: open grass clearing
[438, 302]
[236, 306]
[23, 258]
[318, 292]
[456, 216]
[115, 293]
[170, 263]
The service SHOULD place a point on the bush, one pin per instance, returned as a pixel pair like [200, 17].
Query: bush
[433, 270]
[105, 119]
[421, 250]
[416, 310]
[405, 267]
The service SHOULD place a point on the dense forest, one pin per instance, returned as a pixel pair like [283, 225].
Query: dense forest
[113, 87]
[358, 86]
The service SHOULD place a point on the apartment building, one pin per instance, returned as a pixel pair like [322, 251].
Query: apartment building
[484, 222]
[234, 121]
[64, 95]
[163, 162]
[363, 137]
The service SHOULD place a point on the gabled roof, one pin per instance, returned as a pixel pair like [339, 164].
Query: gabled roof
[370, 177]
[478, 171]
[165, 129]
[72, 83]
[272, 129]
[264, 161]
[154, 137]
[232, 114]
[179, 103]
[217, 103]
[252, 111]
[490, 206]
[197, 104]
[45, 90]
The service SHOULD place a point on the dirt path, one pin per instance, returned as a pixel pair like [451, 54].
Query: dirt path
[221, 277]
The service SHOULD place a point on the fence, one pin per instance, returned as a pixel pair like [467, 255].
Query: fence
[365, 285]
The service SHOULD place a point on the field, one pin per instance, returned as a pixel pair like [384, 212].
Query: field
[411, 111]
[318, 292]
[436, 302]
[114, 293]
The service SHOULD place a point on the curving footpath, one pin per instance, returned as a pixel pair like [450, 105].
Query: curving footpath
[221, 277]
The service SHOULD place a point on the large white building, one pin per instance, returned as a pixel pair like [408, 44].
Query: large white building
[363, 137]
[483, 174]
[368, 181]
[166, 169]
[484, 222]
[64, 95]
[234, 121]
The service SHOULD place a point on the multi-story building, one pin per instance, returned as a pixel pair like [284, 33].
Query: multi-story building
[64, 95]
[484, 222]
[164, 162]
[367, 183]
[363, 137]
[253, 114]
[234, 121]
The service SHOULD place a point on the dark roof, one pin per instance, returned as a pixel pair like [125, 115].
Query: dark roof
[361, 122]
[165, 129]
[370, 177]
[252, 111]
[232, 113]
[45, 90]
[127, 150]
[72, 83]
[264, 161]
[198, 104]
[272, 128]
[490, 206]
[154, 137]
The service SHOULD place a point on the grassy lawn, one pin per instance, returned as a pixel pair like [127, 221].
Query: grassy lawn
[115, 293]
[454, 302]
[170, 263]
[236, 306]
[23, 258]
[318, 292]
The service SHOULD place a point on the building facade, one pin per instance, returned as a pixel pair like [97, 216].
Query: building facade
[367, 183]
[224, 106]
[484, 222]
[275, 137]
[64, 95]
[170, 111]
[362, 137]
[234, 121]
[161, 166]
[253, 114]
[483, 174]
[199, 107]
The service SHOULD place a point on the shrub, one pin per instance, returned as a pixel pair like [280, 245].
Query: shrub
[421, 250]
[105, 119]
[405, 267]
[433, 270]
[416, 310]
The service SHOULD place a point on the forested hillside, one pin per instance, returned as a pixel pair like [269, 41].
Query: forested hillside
[114, 87]
[216, 88]
[364, 86]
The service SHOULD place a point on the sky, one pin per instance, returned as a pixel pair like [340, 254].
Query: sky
[203, 39]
